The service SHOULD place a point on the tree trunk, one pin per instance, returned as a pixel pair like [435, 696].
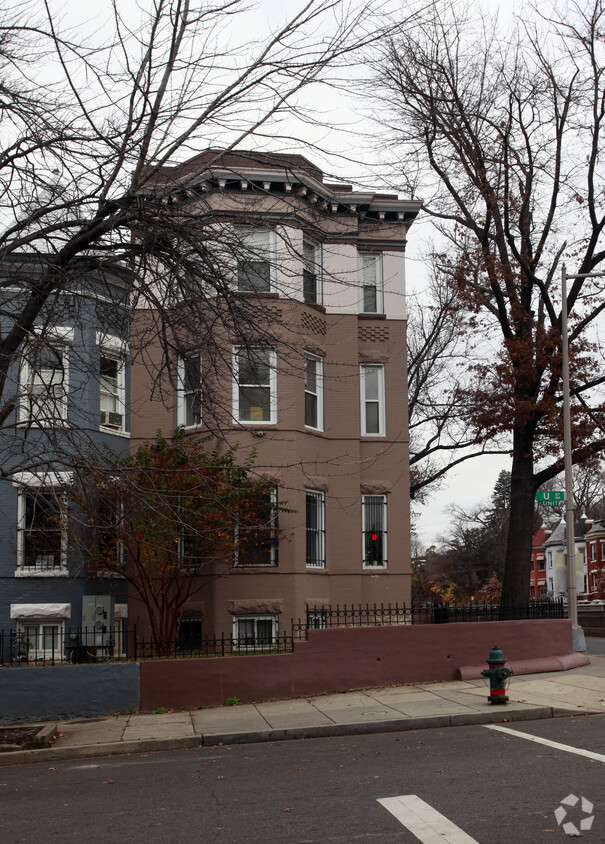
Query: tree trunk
[515, 587]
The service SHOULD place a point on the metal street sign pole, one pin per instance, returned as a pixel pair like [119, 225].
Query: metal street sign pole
[578, 634]
[572, 606]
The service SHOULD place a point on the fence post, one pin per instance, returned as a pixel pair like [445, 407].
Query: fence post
[135, 642]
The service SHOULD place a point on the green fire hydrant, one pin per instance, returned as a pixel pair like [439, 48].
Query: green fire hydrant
[498, 676]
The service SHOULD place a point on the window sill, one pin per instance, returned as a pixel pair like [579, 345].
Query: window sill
[114, 432]
[366, 315]
[34, 572]
[374, 568]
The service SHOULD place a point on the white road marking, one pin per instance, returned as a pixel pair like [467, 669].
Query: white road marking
[426, 823]
[589, 754]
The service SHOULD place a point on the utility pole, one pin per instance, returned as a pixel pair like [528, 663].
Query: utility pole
[579, 640]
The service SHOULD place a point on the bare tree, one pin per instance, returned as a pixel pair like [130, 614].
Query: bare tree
[90, 193]
[506, 128]
[441, 353]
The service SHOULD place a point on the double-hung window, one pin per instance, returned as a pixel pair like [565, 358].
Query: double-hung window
[312, 274]
[41, 531]
[112, 382]
[316, 529]
[41, 639]
[373, 421]
[257, 541]
[256, 260]
[374, 531]
[314, 405]
[254, 384]
[44, 384]
[370, 269]
[189, 393]
[254, 632]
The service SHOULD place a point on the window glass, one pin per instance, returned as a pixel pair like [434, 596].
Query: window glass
[46, 385]
[41, 530]
[315, 529]
[257, 545]
[254, 262]
[312, 271]
[372, 391]
[371, 282]
[374, 531]
[255, 375]
[190, 390]
[313, 392]
[252, 632]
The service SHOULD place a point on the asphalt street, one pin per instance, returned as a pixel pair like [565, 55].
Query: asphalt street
[481, 784]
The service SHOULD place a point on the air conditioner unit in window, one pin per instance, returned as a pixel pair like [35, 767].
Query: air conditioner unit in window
[111, 420]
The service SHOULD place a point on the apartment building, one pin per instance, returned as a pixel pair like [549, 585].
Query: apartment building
[314, 385]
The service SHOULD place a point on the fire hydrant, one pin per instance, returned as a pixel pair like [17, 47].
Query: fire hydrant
[498, 675]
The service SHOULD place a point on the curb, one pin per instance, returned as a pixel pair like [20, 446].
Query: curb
[88, 751]
[125, 748]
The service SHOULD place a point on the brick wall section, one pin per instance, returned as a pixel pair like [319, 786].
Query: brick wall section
[343, 659]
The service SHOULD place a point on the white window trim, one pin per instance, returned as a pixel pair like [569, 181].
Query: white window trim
[385, 547]
[321, 497]
[319, 391]
[272, 617]
[181, 398]
[318, 265]
[35, 571]
[379, 282]
[40, 654]
[241, 233]
[57, 339]
[272, 388]
[381, 400]
[113, 352]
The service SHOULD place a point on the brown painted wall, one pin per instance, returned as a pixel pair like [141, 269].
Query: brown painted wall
[343, 659]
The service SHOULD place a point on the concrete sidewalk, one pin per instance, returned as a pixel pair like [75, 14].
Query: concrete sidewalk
[533, 696]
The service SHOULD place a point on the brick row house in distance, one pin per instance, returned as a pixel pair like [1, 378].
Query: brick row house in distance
[315, 386]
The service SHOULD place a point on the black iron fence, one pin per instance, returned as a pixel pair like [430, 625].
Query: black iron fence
[53, 645]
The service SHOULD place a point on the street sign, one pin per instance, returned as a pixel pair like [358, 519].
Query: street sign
[550, 499]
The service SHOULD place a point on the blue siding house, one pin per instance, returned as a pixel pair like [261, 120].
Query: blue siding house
[65, 396]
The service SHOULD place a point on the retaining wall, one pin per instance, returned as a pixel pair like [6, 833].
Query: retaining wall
[43, 694]
[342, 659]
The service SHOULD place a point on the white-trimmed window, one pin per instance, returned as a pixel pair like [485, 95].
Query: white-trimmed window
[312, 271]
[253, 632]
[370, 270]
[317, 619]
[41, 639]
[315, 529]
[189, 391]
[44, 384]
[112, 381]
[41, 531]
[258, 545]
[594, 582]
[254, 384]
[373, 422]
[256, 260]
[314, 392]
[374, 533]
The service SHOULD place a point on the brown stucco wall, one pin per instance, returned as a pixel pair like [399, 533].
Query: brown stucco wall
[342, 659]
